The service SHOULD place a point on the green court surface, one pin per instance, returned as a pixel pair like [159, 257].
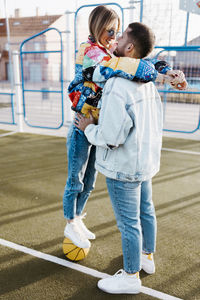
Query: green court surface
[32, 176]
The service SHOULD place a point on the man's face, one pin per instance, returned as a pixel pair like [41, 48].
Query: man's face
[122, 43]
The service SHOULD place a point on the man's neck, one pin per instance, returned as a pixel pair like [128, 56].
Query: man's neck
[131, 54]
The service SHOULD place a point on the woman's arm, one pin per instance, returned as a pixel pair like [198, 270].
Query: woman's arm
[135, 70]
[125, 67]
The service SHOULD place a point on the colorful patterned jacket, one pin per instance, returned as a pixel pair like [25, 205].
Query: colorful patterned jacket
[94, 66]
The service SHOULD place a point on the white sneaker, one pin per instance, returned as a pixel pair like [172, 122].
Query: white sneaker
[75, 234]
[148, 264]
[89, 234]
[121, 283]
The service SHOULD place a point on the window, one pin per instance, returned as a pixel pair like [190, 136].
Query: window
[37, 46]
[45, 22]
[16, 23]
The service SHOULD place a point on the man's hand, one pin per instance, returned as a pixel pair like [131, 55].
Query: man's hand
[82, 122]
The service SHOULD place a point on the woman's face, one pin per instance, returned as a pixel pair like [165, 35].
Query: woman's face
[109, 35]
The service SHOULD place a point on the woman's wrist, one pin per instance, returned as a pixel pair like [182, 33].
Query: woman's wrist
[160, 78]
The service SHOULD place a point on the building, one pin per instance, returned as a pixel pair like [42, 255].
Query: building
[22, 28]
[189, 61]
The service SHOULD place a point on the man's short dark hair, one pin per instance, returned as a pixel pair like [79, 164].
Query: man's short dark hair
[142, 37]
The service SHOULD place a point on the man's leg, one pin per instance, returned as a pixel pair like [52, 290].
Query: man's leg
[149, 227]
[125, 199]
[148, 218]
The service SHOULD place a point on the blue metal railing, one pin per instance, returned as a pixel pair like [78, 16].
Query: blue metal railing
[43, 90]
[167, 91]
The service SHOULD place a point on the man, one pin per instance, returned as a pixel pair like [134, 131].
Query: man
[128, 139]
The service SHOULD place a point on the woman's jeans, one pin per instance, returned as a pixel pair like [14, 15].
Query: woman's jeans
[136, 220]
[81, 173]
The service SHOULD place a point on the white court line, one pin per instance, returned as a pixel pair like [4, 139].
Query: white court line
[8, 133]
[181, 151]
[80, 268]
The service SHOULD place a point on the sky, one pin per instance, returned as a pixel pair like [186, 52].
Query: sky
[157, 15]
[28, 7]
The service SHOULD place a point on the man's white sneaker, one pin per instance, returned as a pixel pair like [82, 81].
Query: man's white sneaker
[148, 264]
[89, 234]
[75, 234]
[121, 283]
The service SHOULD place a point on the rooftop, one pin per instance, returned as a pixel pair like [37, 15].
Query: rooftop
[27, 25]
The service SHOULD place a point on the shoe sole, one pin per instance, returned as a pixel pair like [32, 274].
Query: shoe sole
[76, 244]
[91, 238]
[150, 273]
[137, 291]
[121, 292]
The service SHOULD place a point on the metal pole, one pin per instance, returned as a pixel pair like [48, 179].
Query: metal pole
[141, 10]
[9, 48]
[68, 63]
[131, 11]
[68, 50]
[18, 90]
[186, 30]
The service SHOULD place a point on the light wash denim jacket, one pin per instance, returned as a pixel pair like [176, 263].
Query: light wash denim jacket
[129, 133]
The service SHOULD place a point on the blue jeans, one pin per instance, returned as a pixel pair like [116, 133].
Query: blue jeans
[136, 220]
[81, 173]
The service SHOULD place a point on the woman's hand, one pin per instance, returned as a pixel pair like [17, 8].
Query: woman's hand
[178, 79]
[82, 122]
[175, 78]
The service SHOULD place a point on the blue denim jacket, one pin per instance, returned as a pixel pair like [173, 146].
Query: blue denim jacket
[129, 134]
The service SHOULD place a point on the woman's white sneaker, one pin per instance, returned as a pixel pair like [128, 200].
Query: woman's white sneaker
[148, 264]
[75, 234]
[121, 283]
[89, 234]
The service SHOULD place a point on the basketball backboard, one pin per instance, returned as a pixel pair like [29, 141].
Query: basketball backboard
[192, 6]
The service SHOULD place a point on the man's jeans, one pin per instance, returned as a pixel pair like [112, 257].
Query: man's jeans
[81, 173]
[135, 215]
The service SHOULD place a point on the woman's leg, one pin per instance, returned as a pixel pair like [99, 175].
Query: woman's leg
[78, 149]
[88, 182]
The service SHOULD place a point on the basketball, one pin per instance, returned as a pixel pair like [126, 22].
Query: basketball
[73, 252]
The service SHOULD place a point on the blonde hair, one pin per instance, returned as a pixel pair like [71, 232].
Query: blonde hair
[99, 20]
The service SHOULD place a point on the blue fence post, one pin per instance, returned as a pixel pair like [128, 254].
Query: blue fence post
[141, 10]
